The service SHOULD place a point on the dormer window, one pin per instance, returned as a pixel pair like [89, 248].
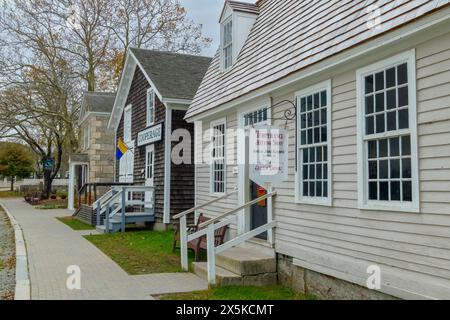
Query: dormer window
[227, 44]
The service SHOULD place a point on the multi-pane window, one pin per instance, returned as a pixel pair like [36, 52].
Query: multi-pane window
[218, 158]
[150, 163]
[387, 143]
[227, 44]
[386, 106]
[255, 117]
[313, 149]
[150, 107]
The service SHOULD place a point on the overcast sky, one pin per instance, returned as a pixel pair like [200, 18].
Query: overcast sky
[207, 13]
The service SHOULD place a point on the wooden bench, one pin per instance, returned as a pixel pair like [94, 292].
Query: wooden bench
[199, 244]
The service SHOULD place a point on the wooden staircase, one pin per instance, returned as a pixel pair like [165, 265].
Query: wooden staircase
[241, 266]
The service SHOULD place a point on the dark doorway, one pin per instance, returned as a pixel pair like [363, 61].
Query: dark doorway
[258, 212]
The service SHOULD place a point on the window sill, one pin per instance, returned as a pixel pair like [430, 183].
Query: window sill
[316, 202]
[388, 206]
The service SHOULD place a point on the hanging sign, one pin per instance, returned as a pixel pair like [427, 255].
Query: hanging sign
[268, 155]
[150, 135]
[49, 164]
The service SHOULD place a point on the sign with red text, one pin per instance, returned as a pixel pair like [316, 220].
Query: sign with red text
[268, 155]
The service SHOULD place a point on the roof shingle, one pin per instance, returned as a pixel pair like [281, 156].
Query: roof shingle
[99, 101]
[175, 75]
[290, 35]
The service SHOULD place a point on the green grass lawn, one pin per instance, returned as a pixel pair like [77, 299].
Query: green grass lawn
[10, 194]
[140, 252]
[240, 293]
[75, 224]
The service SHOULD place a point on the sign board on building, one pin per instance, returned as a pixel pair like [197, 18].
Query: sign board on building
[150, 135]
[268, 155]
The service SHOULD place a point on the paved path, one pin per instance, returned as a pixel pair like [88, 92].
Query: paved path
[52, 247]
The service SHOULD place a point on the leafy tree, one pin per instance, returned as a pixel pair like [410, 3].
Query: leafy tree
[15, 161]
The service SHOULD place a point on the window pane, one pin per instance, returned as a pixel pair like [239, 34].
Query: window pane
[395, 169]
[325, 189]
[316, 135]
[316, 118]
[391, 97]
[319, 171]
[370, 128]
[403, 119]
[323, 116]
[407, 191]
[384, 191]
[380, 123]
[384, 169]
[373, 170]
[323, 98]
[392, 121]
[395, 190]
[402, 74]
[369, 84]
[312, 155]
[403, 99]
[325, 171]
[372, 149]
[305, 155]
[303, 104]
[312, 189]
[324, 134]
[316, 100]
[309, 119]
[406, 146]
[303, 121]
[383, 148]
[394, 147]
[318, 189]
[373, 191]
[379, 81]
[303, 137]
[390, 78]
[406, 168]
[369, 104]
[305, 172]
[310, 136]
[309, 103]
[379, 102]
[312, 172]
[319, 154]
[305, 189]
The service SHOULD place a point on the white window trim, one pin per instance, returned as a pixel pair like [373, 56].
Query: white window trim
[363, 202]
[222, 48]
[87, 137]
[211, 135]
[151, 92]
[148, 149]
[299, 198]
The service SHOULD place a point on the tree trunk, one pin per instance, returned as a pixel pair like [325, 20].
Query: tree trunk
[47, 184]
[12, 183]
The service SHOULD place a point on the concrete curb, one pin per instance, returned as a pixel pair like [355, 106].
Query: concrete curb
[23, 289]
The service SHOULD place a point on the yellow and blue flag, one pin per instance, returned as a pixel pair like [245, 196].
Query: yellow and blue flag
[122, 148]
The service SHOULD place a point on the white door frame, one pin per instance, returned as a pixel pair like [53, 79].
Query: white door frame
[149, 182]
[243, 174]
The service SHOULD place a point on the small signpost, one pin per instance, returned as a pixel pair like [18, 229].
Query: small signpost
[268, 161]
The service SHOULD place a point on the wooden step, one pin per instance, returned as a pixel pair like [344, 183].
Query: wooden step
[223, 276]
[246, 262]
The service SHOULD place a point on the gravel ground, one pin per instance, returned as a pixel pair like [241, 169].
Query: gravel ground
[7, 258]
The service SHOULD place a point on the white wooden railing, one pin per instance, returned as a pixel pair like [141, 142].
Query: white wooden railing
[209, 227]
[117, 199]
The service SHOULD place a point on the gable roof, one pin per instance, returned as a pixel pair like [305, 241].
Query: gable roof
[243, 6]
[173, 77]
[290, 35]
[99, 102]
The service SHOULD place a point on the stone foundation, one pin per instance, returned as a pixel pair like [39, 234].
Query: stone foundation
[322, 286]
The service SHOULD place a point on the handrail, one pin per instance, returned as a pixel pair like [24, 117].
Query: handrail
[248, 204]
[184, 213]
[106, 195]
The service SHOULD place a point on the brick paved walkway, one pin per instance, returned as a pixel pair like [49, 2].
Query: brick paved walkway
[53, 246]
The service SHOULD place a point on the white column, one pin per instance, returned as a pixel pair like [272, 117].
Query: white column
[167, 162]
[71, 191]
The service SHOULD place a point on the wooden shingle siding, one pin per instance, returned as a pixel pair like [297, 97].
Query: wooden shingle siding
[137, 97]
[290, 35]
[182, 176]
[414, 245]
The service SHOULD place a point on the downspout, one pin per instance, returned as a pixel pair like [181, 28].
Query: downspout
[167, 163]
